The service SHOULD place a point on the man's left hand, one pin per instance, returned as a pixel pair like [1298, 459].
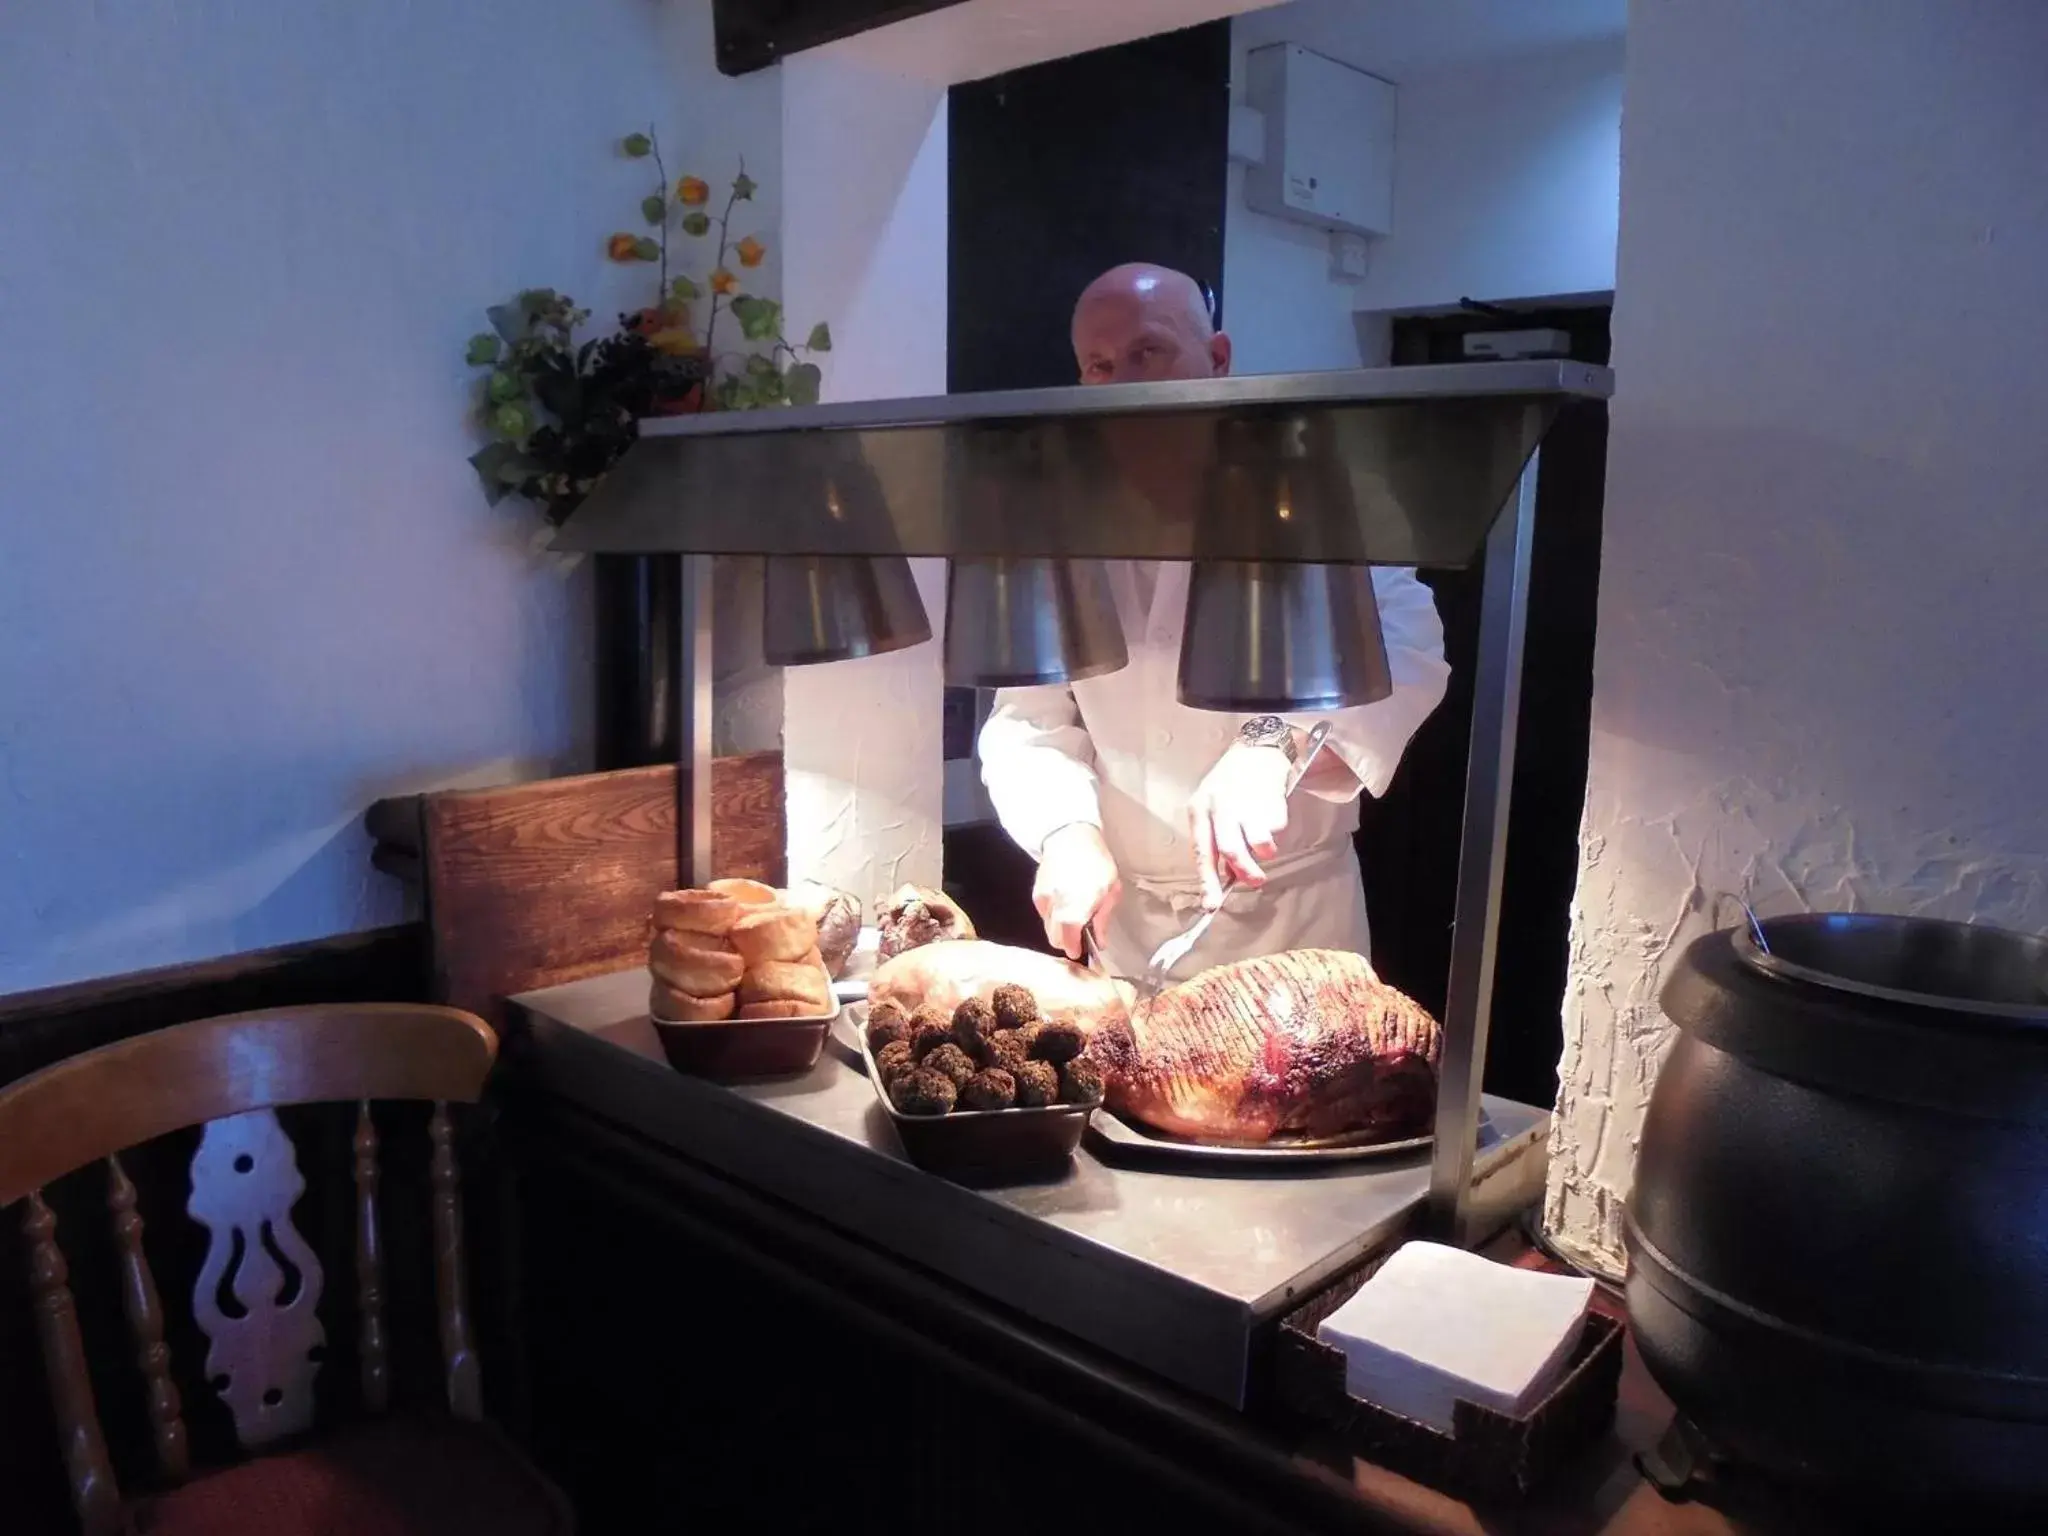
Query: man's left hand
[1236, 817]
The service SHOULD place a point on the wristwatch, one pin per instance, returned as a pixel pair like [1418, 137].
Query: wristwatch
[1269, 731]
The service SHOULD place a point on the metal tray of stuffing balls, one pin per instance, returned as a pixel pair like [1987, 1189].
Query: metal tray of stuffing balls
[978, 1145]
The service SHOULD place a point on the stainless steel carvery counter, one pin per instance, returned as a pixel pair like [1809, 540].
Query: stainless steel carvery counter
[1171, 1269]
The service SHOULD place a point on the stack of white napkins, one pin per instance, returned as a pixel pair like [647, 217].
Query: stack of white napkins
[1436, 1324]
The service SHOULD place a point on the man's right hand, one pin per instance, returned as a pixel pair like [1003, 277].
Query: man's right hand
[1077, 885]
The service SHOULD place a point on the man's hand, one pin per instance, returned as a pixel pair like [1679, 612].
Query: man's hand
[1236, 817]
[1077, 885]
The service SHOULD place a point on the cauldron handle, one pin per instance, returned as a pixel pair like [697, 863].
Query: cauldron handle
[1756, 929]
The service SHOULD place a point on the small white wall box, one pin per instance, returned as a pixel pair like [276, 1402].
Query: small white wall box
[1329, 151]
[1543, 342]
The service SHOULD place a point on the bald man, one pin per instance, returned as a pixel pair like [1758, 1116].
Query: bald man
[1138, 808]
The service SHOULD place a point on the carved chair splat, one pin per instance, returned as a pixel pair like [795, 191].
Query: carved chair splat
[230, 1075]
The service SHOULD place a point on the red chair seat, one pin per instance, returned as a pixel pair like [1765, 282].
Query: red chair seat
[396, 1477]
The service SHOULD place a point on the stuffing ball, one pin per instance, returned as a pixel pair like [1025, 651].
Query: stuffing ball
[950, 1062]
[1005, 1050]
[923, 1093]
[990, 1089]
[930, 1028]
[1058, 1041]
[885, 1009]
[973, 1022]
[1013, 1006]
[894, 1060]
[1080, 1082]
[887, 1028]
[1038, 1084]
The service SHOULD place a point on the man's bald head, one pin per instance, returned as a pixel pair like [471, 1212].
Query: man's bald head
[1137, 323]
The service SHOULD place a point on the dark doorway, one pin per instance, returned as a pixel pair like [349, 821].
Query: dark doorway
[1408, 839]
[1061, 171]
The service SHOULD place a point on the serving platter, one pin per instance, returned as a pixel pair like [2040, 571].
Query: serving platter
[1119, 1140]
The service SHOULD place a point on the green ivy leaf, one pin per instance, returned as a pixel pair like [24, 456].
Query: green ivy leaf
[511, 422]
[743, 186]
[803, 382]
[638, 145]
[683, 288]
[653, 208]
[483, 349]
[505, 387]
[759, 318]
[821, 338]
[502, 469]
[509, 321]
[696, 222]
[759, 366]
[645, 249]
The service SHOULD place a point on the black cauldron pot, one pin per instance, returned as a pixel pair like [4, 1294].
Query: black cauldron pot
[1838, 1238]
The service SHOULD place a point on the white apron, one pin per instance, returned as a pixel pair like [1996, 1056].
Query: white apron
[1122, 753]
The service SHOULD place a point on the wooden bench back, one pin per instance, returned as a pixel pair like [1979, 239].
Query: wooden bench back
[531, 885]
[230, 1075]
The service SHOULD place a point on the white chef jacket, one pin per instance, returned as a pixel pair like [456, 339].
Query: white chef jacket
[1122, 753]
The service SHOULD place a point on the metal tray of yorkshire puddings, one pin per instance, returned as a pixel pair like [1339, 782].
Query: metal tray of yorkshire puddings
[734, 1050]
[974, 1145]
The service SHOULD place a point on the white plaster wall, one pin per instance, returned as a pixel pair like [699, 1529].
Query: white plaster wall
[247, 582]
[1506, 173]
[1821, 641]
[865, 230]
[1506, 181]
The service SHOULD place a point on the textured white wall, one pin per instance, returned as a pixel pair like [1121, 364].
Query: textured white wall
[247, 583]
[865, 227]
[1506, 170]
[1821, 637]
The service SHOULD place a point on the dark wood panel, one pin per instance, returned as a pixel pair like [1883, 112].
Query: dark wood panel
[753, 34]
[1408, 839]
[529, 885]
[382, 965]
[760, 1372]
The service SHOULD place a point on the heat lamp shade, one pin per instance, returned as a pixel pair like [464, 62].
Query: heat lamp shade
[837, 607]
[1277, 636]
[1017, 623]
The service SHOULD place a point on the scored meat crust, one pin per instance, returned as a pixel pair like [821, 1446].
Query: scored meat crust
[1307, 1043]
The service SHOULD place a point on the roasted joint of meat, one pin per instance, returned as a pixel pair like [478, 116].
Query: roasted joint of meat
[945, 975]
[1307, 1043]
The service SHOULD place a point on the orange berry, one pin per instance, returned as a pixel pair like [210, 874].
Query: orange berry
[693, 191]
[621, 247]
[750, 251]
[723, 281]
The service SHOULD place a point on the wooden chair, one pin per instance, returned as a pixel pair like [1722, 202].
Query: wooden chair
[396, 1476]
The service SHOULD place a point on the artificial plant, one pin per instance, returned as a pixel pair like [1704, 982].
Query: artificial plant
[560, 412]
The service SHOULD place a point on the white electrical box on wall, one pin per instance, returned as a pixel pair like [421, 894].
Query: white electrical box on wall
[1329, 141]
